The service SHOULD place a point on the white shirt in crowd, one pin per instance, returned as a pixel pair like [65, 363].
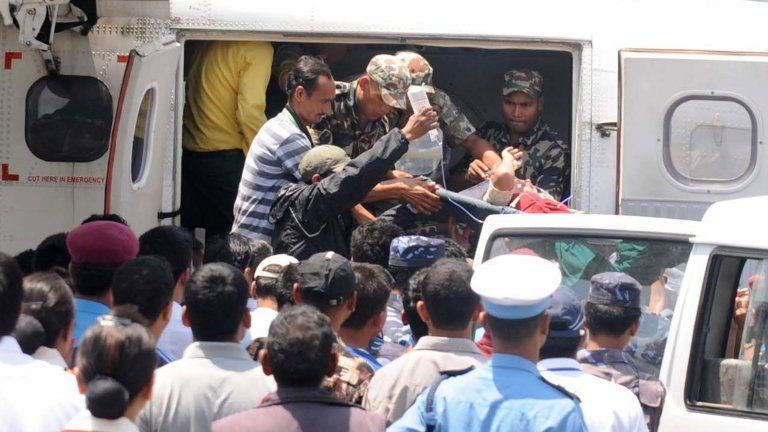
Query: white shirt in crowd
[211, 380]
[606, 406]
[176, 337]
[35, 396]
[87, 422]
[261, 318]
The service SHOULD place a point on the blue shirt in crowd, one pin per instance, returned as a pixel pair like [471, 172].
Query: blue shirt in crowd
[86, 314]
[364, 355]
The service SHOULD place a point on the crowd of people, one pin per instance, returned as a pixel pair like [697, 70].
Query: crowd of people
[318, 304]
[106, 331]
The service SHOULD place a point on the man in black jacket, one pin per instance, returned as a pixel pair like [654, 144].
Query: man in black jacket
[313, 216]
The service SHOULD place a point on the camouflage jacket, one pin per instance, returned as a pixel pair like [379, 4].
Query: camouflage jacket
[545, 157]
[612, 365]
[344, 129]
[453, 122]
[350, 383]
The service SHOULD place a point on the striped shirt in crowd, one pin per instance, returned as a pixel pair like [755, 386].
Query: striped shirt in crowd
[272, 161]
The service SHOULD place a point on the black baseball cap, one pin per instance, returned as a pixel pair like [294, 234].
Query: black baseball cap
[614, 289]
[327, 278]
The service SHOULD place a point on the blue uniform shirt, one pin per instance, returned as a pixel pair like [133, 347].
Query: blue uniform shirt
[86, 314]
[505, 394]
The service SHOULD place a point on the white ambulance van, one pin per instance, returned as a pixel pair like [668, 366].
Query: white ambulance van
[713, 365]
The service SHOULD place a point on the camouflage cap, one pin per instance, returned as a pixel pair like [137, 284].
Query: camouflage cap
[419, 68]
[392, 77]
[322, 159]
[527, 81]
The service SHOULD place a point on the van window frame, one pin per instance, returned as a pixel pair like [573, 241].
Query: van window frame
[693, 379]
[561, 233]
[701, 185]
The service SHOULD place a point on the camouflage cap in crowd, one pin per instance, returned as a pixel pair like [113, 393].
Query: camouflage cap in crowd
[321, 160]
[392, 77]
[419, 68]
[415, 251]
[527, 81]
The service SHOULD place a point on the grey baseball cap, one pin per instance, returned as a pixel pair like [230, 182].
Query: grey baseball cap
[322, 159]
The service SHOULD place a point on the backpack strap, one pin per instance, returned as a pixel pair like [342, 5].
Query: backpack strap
[431, 420]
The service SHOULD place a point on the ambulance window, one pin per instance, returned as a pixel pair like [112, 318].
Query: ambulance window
[68, 118]
[729, 370]
[141, 138]
[710, 141]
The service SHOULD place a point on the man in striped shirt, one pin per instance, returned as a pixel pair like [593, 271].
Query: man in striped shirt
[273, 159]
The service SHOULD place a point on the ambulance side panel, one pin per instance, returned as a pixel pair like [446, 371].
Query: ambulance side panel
[37, 196]
[692, 130]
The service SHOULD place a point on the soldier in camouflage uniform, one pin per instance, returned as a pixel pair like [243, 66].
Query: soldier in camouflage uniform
[327, 282]
[359, 119]
[455, 125]
[361, 107]
[545, 159]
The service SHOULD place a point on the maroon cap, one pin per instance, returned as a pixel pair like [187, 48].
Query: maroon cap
[102, 243]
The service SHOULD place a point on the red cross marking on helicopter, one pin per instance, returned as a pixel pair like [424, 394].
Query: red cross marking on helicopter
[6, 174]
[10, 56]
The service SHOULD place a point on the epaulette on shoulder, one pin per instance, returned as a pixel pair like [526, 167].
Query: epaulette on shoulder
[561, 389]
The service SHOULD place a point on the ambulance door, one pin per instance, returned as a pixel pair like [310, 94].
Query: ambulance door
[142, 150]
[691, 130]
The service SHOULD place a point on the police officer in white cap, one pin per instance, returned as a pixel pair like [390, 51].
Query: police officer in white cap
[508, 392]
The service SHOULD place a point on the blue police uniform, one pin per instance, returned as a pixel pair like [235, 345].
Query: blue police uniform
[505, 394]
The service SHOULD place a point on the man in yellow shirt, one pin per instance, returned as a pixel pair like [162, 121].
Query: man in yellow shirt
[226, 99]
